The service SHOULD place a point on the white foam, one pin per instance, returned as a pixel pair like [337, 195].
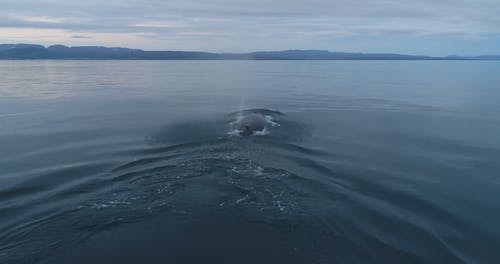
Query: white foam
[263, 132]
[269, 120]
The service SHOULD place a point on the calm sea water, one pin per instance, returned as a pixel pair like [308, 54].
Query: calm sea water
[134, 162]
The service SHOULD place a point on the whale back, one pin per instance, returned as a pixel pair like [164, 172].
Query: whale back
[251, 124]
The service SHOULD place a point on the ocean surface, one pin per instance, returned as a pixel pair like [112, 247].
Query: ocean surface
[137, 162]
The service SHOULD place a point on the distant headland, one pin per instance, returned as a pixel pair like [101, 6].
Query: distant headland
[61, 52]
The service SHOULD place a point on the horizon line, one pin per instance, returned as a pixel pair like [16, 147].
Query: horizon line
[304, 51]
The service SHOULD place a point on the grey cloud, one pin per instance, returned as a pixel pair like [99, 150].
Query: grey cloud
[81, 37]
[255, 9]
[192, 23]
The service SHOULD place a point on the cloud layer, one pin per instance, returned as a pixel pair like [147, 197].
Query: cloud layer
[411, 26]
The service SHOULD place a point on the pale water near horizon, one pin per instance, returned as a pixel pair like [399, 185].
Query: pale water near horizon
[135, 162]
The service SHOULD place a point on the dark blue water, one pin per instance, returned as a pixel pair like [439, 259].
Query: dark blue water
[135, 162]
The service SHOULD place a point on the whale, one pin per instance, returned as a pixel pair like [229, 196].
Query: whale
[250, 124]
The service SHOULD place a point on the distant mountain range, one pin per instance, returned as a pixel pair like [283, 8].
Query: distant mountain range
[60, 52]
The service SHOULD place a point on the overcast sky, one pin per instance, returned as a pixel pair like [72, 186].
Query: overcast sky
[434, 27]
